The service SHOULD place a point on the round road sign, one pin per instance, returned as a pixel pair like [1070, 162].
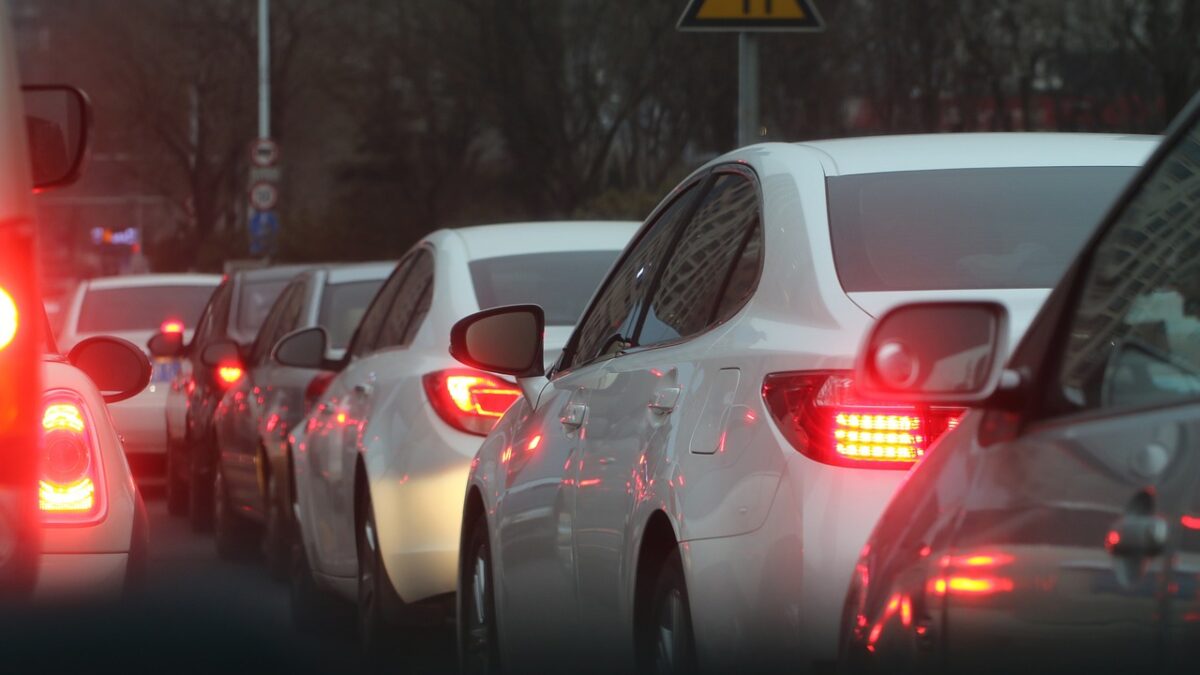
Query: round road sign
[264, 152]
[264, 196]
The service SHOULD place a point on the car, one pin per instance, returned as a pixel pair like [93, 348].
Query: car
[94, 531]
[693, 480]
[253, 497]
[233, 316]
[1059, 526]
[135, 307]
[381, 460]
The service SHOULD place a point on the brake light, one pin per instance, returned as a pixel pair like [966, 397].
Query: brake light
[470, 400]
[68, 487]
[171, 326]
[822, 418]
[229, 374]
[8, 318]
[316, 387]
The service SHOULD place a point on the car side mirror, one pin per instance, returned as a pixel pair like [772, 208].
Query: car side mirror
[118, 367]
[936, 353]
[58, 120]
[221, 353]
[303, 348]
[505, 340]
[166, 345]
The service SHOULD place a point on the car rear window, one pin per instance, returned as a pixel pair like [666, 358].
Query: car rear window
[140, 308]
[342, 307]
[255, 302]
[966, 228]
[561, 282]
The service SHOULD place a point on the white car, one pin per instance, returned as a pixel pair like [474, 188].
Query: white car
[94, 532]
[693, 482]
[380, 463]
[135, 307]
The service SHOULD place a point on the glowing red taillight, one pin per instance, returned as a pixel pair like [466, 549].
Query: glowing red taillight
[229, 374]
[822, 418]
[8, 318]
[70, 489]
[171, 326]
[316, 387]
[470, 400]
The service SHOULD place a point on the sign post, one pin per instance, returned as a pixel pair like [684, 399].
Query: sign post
[746, 17]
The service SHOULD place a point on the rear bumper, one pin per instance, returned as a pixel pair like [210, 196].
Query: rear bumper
[75, 576]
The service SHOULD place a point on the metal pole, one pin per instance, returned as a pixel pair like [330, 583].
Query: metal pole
[264, 69]
[748, 125]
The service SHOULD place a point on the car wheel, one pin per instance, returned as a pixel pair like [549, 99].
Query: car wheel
[235, 536]
[276, 534]
[478, 643]
[372, 619]
[667, 644]
[177, 492]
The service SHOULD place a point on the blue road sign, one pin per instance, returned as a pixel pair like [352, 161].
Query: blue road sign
[264, 230]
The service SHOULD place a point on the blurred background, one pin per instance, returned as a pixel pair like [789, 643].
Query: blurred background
[397, 118]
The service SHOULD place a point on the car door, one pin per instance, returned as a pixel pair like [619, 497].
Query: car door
[535, 540]
[1075, 548]
[333, 539]
[641, 414]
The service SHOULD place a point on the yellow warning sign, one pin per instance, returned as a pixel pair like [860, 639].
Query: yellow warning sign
[751, 15]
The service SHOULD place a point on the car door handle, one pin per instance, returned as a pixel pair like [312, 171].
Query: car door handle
[665, 400]
[1138, 536]
[573, 415]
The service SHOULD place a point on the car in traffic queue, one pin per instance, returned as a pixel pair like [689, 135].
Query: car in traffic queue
[94, 531]
[226, 329]
[381, 460]
[253, 494]
[692, 481]
[135, 307]
[1058, 527]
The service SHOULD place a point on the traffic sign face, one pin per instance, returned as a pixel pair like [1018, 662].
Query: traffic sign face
[264, 152]
[264, 196]
[751, 15]
[263, 230]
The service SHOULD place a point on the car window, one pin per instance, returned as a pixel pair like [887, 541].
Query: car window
[694, 281]
[560, 282]
[1134, 337]
[342, 308]
[411, 304]
[211, 321]
[267, 334]
[257, 297]
[366, 336]
[140, 308]
[608, 325]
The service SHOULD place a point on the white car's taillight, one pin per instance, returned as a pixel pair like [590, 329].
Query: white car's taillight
[470, 400]
[70, 486]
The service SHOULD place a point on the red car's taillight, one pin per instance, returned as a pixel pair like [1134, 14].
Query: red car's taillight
[470, 400]
[316, 387]
[822, 418]
[70, 486]
[229, 374]
[8, 318]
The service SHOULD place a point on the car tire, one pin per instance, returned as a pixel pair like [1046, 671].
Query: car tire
[236, 537]
[176, 488]
[373, 585]
[478, 641]
[277, 535]
[666, 643]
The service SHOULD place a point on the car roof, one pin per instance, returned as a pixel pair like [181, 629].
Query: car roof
[917, 152]
[142, 280]
[493, 241]
[273, 273]
[341, 274]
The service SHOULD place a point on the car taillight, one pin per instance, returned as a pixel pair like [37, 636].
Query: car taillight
[316, 387]
[8, 318]
[70, 487]
[171, 326]
[229, 374]
[822, 418]
[470, 400]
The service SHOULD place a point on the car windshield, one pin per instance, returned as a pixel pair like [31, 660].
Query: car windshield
[965, 228]
[140, 308]
[255, 302]
[561, 282]
[342, 305]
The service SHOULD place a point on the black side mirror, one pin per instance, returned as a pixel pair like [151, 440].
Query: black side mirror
[936, 353]
[504, 340]
[166, 345]
[303, 348]
[118, 367]
[221, 353]
[58, 120]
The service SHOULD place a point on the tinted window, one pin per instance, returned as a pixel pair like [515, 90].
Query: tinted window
[255, 301]
[141, 308]
[1135, 336]
[410, 307]
[609, 323]
[366, 334]
[273, 325]
[342, 308]
[693, 284]
[965, 228]
[560, 282]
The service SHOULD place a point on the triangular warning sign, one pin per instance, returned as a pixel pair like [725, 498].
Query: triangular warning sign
[751, 15]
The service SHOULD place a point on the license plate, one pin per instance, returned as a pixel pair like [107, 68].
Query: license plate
[165, 370]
